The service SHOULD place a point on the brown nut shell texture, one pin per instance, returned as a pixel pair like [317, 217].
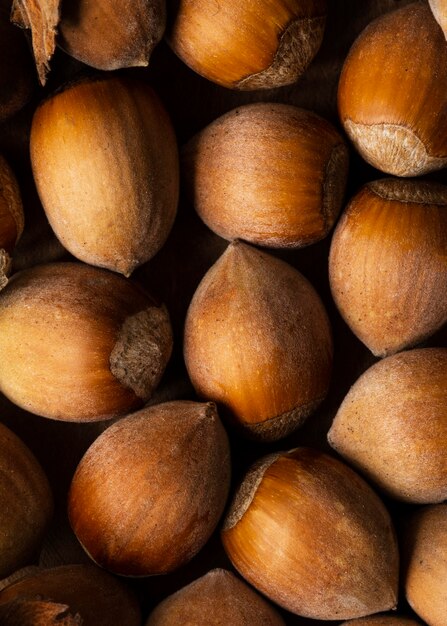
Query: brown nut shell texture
[247, 45]
[310, 534]
[149, 492]
[79, 343]
[105, 162]
[258, 341]
[388, 263]
[382, 620]
[392, 94]
[271, 174]
[424, 549]
[85, 591]
[215, 599]
[392, 425]
[11, 218]
[439, 9]
[26, 503]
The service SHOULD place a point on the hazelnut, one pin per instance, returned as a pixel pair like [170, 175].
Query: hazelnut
[79, 343]
[392, 93]
[271, 174]
[424, 548]
[258, 341]
[246, 45]
[439, 10]
[11, 218]
[95, 596]
[312, 536]
[105, 162]
[26, 503]
[150, 490]
[106, 34]
[215, 599]
[392, 425]
[37, 612]
[387, 263]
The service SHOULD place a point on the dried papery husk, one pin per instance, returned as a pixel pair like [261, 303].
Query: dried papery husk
[270, 174]
[392, 425]
[439, 9]
[387, 263]
[149, 492]
[11, 219]
[86, 591]
[26, 503]
[311, 535]
[244, 45]
[214, 599]
[393, 104]
[258, 341]
[424, 556]
[80, 343]
[105, 163]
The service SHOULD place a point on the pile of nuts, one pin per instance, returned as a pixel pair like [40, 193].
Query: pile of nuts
[223, 307]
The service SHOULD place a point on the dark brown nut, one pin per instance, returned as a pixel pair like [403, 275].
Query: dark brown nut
[311, 535]
[79, 343]
[11, 218]
[149, 492]
[105, 162]
[392, 425]
[245, 45]
[258, 341]
[387, 264]
[270, 174]
[393, 102]
[26, 503]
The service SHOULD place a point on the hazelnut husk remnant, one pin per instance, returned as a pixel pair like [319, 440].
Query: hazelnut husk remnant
[271, 174]
[79, 343]
[247, 45]
[106, 34]
[392, 425]
[382, 620]
[387, 264]
[149, 492]
[311, 535]
[26, 503]
[215, 599]
[86, 591]
[424, 549]
[105, 162]
[258, 341]
[393, 102]
[439, 9]
[11, 218]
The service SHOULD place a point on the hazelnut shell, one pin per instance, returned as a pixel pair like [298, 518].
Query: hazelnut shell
[105, 163]
[244, 45]
[271, 174]
[26, 503]
[11, 218]
[392, 425]
[79, 343]
[150, 490]
[392, 103]
[215, 599]
[258, 341]
[311, 535]
[388, 266]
